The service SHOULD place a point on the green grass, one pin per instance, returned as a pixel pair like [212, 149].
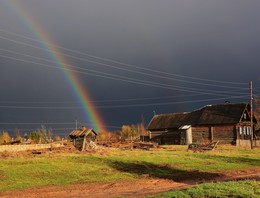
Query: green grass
[41, 171]
[249, 188]
[111, 165]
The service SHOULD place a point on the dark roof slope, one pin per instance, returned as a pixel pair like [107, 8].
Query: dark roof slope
[81, 132]
[228, 113]
[222, 113]
[165, 121]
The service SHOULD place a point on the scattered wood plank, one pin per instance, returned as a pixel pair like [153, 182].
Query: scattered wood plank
[203, 147]
[36, 152]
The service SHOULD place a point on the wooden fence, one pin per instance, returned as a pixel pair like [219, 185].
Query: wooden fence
[15, 148]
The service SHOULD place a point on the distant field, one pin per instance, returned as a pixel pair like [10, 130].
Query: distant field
[111, 165]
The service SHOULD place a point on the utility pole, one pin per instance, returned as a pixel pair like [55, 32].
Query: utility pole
[251, 113]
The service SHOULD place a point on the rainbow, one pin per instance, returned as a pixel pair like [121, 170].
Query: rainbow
[76, 87]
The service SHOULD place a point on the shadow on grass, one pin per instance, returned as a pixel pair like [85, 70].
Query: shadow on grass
[227, 159]
[162, 171]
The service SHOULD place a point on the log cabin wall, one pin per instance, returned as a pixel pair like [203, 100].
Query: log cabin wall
[166, 137]
[78, 142]
[154, 134]
[91, 137]
[201, 134]
[173, 137]
[225, 134]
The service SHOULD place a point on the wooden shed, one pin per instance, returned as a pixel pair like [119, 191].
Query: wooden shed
[83, 136]
[226, 123]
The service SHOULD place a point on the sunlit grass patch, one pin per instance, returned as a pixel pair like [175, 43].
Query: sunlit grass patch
[249, 188]
[109, 165]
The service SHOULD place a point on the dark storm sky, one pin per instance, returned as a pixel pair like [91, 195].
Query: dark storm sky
[168, 56]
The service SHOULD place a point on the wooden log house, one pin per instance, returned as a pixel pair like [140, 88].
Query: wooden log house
[227, 123]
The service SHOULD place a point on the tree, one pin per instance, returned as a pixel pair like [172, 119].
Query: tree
[36, 136]
[17, 133]
[5, 137]
[26, 137]
[104, 136]
[57, 138]
[125, 132]
[134, 132]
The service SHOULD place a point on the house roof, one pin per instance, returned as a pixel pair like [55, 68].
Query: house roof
[81, 132]
[228, 113]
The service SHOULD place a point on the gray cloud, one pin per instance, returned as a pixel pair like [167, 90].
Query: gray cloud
[217, 40]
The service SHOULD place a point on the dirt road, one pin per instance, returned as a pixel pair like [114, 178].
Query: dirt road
[128, 189]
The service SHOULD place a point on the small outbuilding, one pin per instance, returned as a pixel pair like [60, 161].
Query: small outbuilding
[83, 136]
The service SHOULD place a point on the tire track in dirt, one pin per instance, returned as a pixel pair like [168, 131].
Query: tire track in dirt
[137, 188]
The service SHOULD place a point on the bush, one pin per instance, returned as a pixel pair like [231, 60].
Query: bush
[5, 138]
[57, 138]
[36, 137]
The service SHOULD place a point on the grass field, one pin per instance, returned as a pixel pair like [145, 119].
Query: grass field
[109, 165]
[249, 188]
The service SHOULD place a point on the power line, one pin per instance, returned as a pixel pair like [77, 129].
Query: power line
[121, 106]
[100, 101]
[146, 74]
[117, 62]
[124, 79]
[170, 103]
[35, 123]
[32, 129]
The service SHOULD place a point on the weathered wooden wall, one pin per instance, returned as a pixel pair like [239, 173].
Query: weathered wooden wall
[78, 143]
[173, 137]
[201, 135]
[224, 134]
[167, 137]
[155, 133]
[91, 137]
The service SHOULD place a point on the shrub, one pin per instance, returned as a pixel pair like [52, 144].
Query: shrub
[5, 138]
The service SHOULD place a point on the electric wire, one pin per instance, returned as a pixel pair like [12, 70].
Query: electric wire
[151, 75]
[101, 101]
[121, 106]
[149, 83]
[35, 129]
[67, 65]
[120, 78]
[95, 62]
[35, 123]
[113, 61]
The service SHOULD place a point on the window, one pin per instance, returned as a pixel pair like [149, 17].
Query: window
[244, 115]
[244, 130]
[240, 130]
[247, 130]
[250, 130]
